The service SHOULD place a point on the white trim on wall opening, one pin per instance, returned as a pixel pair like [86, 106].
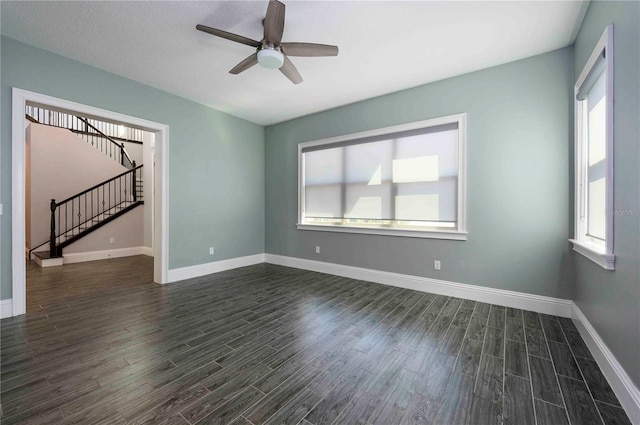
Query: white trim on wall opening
[161, 202]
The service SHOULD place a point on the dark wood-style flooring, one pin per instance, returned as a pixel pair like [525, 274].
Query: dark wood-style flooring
[102, 344]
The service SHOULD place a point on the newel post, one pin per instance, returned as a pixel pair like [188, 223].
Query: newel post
[52, 234]
[134, 187]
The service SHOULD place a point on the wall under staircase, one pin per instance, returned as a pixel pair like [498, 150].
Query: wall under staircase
[59, 164]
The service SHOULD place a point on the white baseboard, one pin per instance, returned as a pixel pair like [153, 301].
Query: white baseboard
[6, 308]
[628, 394]
[183, 273]
[147, 251]
[538, 303]
[81, 257]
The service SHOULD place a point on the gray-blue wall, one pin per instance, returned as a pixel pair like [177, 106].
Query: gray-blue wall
[611, 299]
[216, 161]
[520, 174]
[519, 215]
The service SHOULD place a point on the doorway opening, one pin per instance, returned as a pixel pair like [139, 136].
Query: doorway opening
[155, 215]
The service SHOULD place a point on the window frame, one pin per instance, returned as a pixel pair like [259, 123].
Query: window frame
[603, 255]
[460, 233]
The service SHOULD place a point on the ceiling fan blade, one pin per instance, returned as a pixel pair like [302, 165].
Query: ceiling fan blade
[229, 36]
[274, 22]
[290, 71]
[309, 49]
[245, 64]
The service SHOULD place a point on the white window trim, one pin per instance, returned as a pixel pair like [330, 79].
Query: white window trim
[459, 234]
[604, 257]
[606, 261]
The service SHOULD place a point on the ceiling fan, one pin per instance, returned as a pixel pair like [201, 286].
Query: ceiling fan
[271, 52]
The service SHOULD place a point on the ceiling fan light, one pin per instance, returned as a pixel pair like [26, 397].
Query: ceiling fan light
[270, 58]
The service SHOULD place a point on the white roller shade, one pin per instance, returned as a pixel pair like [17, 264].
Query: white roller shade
[408, 178]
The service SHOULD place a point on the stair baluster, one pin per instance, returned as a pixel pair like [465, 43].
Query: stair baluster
[113, 197]
[101, 141]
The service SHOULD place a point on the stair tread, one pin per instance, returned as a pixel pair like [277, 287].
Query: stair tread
[45, 255]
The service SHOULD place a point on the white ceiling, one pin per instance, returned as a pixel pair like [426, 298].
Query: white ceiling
[385, 46]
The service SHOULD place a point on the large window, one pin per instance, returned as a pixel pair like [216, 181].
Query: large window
[405, 180]
[594, 156]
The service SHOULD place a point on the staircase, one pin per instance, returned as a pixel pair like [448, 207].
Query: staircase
[81, 214]
[87, 211]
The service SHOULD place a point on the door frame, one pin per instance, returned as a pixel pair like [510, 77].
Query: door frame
[18, 239]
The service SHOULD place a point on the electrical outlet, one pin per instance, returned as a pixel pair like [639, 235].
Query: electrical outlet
[112, 240]
[436, 264]
[317, 250]
[212, 251]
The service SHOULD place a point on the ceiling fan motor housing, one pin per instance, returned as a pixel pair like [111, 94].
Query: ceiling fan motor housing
[270, 56]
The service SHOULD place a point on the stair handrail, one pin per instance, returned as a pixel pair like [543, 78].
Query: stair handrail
[77, 195]
[129, 163]
[30, 118]
[83, 132]
[56, 231]
[36, 247]
[123, 152]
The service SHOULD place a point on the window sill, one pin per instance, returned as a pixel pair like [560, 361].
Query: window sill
[606, 261]
[451, 235]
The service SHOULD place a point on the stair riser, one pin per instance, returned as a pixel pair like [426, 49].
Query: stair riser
[49, 262]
